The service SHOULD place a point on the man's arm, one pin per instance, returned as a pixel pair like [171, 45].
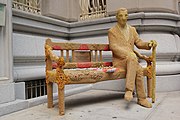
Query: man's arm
[139, 43]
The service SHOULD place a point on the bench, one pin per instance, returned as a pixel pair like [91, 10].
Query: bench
[63, 67]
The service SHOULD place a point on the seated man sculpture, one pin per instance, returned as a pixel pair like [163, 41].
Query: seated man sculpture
[122, 38]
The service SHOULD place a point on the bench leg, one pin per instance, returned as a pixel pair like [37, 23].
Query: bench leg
[149, 87]
[153, 89]
[61, 100]
[50, 94]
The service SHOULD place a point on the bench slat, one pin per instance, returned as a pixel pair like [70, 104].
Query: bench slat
[67, 55]
[100, 54]
[83, 65]
[62, 54]
[77, 46]
[96, 56]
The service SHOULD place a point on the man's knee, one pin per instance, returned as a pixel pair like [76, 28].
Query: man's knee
[139, 70]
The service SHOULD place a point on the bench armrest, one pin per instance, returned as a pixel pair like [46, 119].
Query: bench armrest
[151, 61]
[58, 77]
[59, 60]
[151, 69]
[48, 52]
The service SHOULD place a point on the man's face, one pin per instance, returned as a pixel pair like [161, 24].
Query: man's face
[122, 17]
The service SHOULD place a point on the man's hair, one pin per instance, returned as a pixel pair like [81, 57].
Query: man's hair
[121, 9]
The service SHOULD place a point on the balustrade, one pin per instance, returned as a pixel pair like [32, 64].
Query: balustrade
[91, 9]
[32, 6]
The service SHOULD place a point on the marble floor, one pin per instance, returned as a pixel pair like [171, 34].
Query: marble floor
[104, 105]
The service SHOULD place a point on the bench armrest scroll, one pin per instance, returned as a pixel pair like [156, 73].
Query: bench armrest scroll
[48, 52]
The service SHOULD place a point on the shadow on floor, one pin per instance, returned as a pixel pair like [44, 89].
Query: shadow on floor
[87, 99]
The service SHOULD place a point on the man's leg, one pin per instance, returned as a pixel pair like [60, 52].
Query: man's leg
[141, 95]
[130, 77]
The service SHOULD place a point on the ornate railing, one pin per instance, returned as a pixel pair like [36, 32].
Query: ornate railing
[32, 6]
[179, 6]
[91, 9]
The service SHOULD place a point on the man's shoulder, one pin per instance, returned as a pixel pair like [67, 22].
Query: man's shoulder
[131, 27]
[112, 29]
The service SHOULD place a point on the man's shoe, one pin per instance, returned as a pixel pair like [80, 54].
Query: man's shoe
[128, 96]
[144, 103]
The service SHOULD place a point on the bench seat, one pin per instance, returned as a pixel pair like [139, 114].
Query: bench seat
[92, 75]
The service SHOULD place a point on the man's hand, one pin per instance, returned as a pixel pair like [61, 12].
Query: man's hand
[152, 43]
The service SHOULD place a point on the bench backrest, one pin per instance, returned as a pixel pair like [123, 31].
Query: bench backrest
[71, 52]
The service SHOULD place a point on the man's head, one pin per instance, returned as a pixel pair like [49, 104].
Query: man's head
[122, 16]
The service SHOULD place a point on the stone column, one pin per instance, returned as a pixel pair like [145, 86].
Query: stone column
[7, 93]
[67, 10]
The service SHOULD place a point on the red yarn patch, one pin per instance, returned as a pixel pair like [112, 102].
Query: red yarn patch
[84, 64]
[83, 47]
[54, 65]
[55, 47]
[107, 64]
[106, 48]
